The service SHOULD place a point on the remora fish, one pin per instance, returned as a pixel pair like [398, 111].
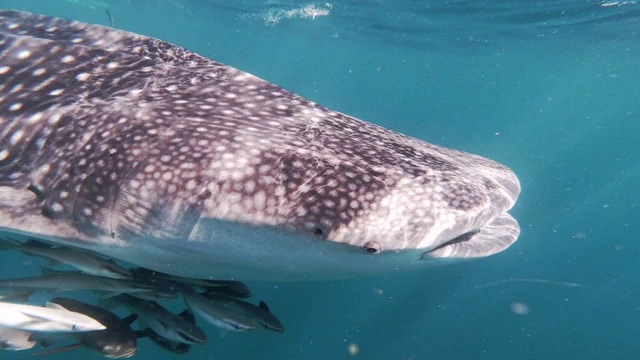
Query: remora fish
[262, 313]
[38, 318]
[13, 339]
[73, 280]
[117, 341]
[163, 323]
[172, 346]
[82, 260]
[143, 151]
[167, 282]
[222, 314]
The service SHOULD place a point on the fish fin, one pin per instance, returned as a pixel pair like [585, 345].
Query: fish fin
[108, 294]
[188, 315]
[141, 334]
[171, 346]
[18, 296]
[52, 305]
[7, 244]
[180, 348]
[106, 301]
[226, 290]
[37, 243]
[58, 350]
[52, 262]
[45, 339]
[47, 271]
[263, 305]
[130, 319]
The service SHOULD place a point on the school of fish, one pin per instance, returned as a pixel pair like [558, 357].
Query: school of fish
[71, 323]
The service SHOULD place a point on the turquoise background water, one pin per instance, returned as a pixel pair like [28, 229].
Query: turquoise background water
[549, 88]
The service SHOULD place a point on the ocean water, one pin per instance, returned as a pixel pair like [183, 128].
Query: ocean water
[549, 88]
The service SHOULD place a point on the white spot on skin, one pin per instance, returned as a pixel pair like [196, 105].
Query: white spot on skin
[4, 70]
[4, 154]
[57, 207]
[36, 117]
[68, 59]
[112, 65]
[16, 89]
[16, 137]
[82, 77]
[56, 92]
[24, 54]
[38, 72]
[15, 107]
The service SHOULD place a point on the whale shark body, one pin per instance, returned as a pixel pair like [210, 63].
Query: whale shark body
[143, 151]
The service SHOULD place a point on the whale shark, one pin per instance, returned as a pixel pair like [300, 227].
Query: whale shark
[146, 152]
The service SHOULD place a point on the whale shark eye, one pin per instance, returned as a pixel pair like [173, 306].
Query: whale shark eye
[372, 247]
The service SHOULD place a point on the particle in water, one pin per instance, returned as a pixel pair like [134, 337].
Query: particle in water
[519, 308]
[353, 349]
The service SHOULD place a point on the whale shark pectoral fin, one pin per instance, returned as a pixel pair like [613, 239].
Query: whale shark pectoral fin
[491, 239]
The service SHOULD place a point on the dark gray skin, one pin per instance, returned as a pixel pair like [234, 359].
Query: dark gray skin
[165, 281]
[261, 312]
[117, 341]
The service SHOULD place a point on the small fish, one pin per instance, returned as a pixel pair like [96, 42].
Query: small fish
[73, 280]
[175, 347]
[168, 282]
[228, 287]
[49, 319]
[14, 339]
[164, 288]
[171, 346]
[262, 313]
[223, 313]
[117, 341]
[83, 260]
[163, 323]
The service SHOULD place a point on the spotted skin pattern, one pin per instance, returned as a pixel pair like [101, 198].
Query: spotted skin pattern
[108, 138]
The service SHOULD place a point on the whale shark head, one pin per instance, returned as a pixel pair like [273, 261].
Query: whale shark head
[143, 151]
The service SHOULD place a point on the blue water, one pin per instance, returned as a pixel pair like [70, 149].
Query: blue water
[549, 88]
